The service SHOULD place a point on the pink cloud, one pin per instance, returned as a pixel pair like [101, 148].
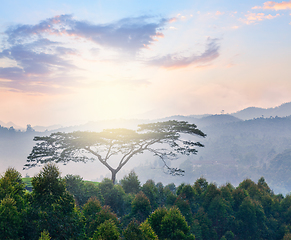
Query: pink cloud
[219, 13]
[175, 61]
[255, 17]
[174, 19]
[271, 5]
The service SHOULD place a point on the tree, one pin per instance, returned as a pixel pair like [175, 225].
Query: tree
[81, 190]
[151, 191]
[135, 231]
[152, 137]
[95, 215]
[170, 224]
[45, 235]
[11, 185]
[53, 208]
[10, 219]
[130, 183]
[113, 196]
[141, 207]
[107, 231]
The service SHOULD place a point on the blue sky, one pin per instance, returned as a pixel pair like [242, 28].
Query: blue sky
[68, 62]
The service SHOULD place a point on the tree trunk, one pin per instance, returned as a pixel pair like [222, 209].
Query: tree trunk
[113, 176]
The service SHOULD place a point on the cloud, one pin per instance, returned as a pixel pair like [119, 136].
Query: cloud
[219, 13]
[174, 19]
[173, 61]
[128, 34]
[255, 17]
[39, 61]
[271, 5]
[35, 63]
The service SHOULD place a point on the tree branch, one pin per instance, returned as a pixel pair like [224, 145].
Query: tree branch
[99, 158]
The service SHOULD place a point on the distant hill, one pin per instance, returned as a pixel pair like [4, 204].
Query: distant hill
[283, 110]
[216, 120]
[48, 128]
[10, 124]
[235, 149]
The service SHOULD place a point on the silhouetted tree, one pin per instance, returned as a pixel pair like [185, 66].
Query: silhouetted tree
[152, 137]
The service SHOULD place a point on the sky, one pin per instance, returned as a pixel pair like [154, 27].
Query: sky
[70, 62]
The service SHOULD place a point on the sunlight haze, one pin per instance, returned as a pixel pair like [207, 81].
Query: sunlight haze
[70, 62]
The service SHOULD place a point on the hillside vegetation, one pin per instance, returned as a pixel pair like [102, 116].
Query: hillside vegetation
[70, 208]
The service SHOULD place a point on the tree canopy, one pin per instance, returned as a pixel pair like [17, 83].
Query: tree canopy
[163, 139]
[200, 210]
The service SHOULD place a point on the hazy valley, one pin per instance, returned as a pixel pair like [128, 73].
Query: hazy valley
[247, 144]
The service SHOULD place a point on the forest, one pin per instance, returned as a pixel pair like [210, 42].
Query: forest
[56, 207]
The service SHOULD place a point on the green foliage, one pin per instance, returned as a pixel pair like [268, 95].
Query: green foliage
[12, 204]
[170, 224]
[97, 217]
[107, 231]
[113, 196]
[220, 212]
[203, 225]
[184, 206]
[287, 236]
[142, 231]
[147, 231]
[11, 185]
[48, 186]
[55, 207]
[130, 183]
[132, 231]
[82, 190]
[44, 235]
[151, 191]
[203, 210]
[251, 219]
[141, 207]
[27, 182]
[170, 194]
[106, 214]
[200, 187]
[91, 208]
[156, 218]
[229, 235]
[10, 219]
[174, 226]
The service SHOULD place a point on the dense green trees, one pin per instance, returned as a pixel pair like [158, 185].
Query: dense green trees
[10, 219]
[202, 211]
[141, 231]
[55, 207]
[82, 190]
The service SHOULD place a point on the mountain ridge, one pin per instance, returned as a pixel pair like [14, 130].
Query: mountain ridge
[249, 113]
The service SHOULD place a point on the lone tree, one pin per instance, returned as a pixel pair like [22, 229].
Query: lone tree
[164, 139]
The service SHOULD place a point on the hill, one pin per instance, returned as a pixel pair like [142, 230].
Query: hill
[283, 110]
[234, 150]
